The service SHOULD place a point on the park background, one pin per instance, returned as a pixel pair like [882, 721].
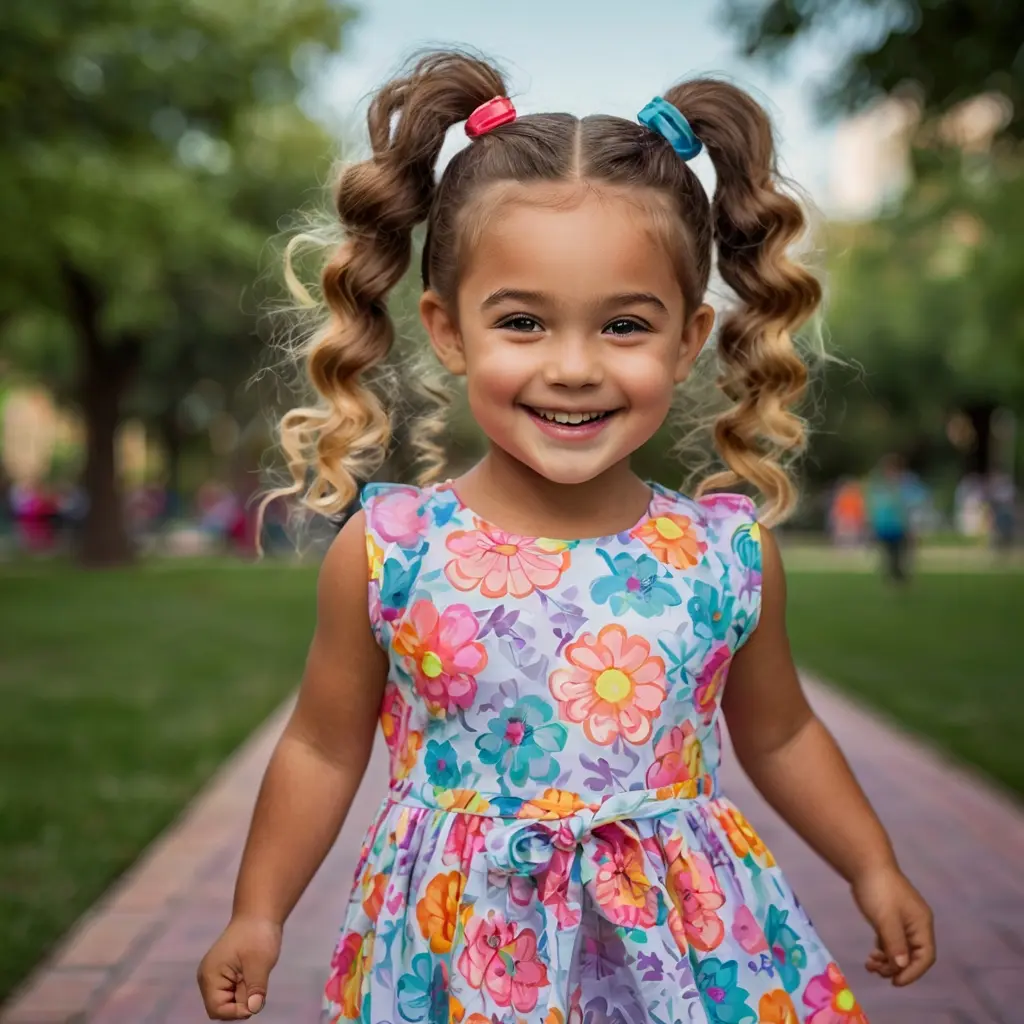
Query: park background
[155, 159]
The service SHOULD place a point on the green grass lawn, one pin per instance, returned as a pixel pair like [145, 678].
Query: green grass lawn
[120, 693]
[945, 657]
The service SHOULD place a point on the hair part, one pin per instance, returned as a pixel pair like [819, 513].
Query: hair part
[341, 441]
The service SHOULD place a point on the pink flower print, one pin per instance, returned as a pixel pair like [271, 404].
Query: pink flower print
[747, 932]
[398, 516]
[500, 563]
[403, 743]
[696, 896]
[614, 687]
[678, 757]
[552, 886]
[829, 996]
[621, 886]
[442, 655]
[465, 839]
[721, 506]
[710, 681]
[503, 962]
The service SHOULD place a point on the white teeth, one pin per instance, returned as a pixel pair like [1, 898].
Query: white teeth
[570, 418]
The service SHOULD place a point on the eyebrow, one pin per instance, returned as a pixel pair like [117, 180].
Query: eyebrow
[538, 298]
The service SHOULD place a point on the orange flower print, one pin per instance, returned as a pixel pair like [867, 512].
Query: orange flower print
[552, 805]
[373, 894]
[672, 539]
[441, 652]
[776, 1007]
[403, 743]
[696, 896]
[615, 686]
[500, 563]
[622, 889]
[678, 756]
[437, 912]
[742, 837]
[829, 996]
[349, 965]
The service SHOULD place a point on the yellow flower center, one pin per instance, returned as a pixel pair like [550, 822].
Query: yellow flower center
[613, 685]
[507, 549]
[667, 528]
[845, 1000]
[431, 665]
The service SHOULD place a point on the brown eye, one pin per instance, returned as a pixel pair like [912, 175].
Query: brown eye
[520, 322]
[625, 326]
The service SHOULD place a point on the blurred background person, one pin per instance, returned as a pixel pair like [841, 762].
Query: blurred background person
[889, 509]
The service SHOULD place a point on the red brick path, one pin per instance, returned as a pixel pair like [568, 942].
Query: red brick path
[133, 959]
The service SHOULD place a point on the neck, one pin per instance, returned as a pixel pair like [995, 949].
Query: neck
[603, 505]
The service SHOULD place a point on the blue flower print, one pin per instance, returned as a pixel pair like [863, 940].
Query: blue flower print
[746, 545]
[423, 993]
[442, 765]
[633, 583]
[396, 583]
[521, 740]
[783, 941]
[712, 616]
[724, 1001]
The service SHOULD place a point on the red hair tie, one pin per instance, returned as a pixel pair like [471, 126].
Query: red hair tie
[490, 115]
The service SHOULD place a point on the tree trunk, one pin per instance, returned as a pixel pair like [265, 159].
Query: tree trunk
[104, 372]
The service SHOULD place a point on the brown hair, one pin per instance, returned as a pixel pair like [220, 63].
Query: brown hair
[331, 447]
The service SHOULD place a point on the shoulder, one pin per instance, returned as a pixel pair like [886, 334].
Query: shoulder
[722, 517]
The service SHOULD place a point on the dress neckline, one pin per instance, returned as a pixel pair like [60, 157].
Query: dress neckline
[449, 486]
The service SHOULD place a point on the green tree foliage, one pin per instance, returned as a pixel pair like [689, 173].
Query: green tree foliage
[148, 149]
[950, 50]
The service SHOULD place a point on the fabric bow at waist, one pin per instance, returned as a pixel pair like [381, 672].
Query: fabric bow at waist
[508, 946]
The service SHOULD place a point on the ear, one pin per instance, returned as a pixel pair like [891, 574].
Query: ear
[695, 336]
[443, 332]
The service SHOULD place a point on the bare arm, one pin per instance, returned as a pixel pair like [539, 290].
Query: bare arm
[320, 759]
[795, 763]
[787, 752]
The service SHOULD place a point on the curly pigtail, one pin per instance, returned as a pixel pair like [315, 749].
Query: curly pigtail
[343, 440]
[754, 225]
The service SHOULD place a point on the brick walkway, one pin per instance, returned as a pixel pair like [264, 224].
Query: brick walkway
[133, 960]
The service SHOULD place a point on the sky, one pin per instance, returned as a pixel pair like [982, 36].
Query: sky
[593, 57]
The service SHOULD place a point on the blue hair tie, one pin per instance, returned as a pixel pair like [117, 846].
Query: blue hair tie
[660, 116]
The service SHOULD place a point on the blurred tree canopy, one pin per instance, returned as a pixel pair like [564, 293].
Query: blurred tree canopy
[148, 149]
[924, 300]
[949, 50]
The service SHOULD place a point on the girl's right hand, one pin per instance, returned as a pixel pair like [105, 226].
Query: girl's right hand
[233, 975]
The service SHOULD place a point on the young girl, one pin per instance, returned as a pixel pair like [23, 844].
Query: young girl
[547, 638]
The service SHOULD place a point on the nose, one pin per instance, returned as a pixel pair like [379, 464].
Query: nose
[573, 361]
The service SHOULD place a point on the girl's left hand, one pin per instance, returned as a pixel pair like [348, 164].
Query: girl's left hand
[904, 930]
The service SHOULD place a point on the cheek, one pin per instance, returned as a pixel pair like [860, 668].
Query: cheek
[496, 373]
[647, 381]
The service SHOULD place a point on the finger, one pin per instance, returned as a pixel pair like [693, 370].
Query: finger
[217, 988]
[893, 940]
[256, 974]
[921, 937]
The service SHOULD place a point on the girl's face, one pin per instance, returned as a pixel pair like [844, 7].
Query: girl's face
[570, 329]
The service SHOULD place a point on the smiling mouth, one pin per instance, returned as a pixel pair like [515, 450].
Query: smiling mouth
[570, 419]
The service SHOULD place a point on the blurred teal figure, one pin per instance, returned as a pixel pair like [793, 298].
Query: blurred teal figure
[889, 512]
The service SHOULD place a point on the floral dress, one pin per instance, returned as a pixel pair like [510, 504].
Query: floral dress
[554, 846]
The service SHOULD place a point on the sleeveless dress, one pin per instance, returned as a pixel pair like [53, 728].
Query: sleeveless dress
[554, 846]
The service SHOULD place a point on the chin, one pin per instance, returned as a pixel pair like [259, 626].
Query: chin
[570, 470]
